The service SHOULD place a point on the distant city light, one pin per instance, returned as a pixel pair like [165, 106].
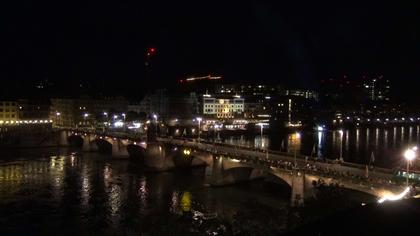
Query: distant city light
[118, 124]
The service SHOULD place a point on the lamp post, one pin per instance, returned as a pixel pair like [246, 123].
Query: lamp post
[341, 144]
[199, 119]
[57, 115]
[297, 137]
[106, 120]
[85, 116]
[123, 115]
[155, 117]
[409, 155]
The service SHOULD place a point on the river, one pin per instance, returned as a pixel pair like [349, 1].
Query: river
[382, 146]
[51, 191]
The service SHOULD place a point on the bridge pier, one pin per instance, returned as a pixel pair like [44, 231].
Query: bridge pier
[89, 144]
[156, 157]
[63, 138]
[118, 148]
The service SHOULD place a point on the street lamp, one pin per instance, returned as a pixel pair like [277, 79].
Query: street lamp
[409, 155]
[297, 137]
[341, 144]
[85, 116]
[123, 115]
[155, 117]
[57, 115]
[199, 119]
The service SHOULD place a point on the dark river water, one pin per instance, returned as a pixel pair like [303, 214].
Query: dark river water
[385, 144]
[51, 192]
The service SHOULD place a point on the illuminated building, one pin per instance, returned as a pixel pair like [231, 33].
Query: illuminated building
[70, 112]
[168, 104]
[377, 89]
[65, 108]
[34, 109]
[308, 94]
[8, 111]
[222, 107]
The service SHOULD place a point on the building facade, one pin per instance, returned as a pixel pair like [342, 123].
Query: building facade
[377, 89]
[8, 111]
[223, 107]
[34, 109]
[84, 111]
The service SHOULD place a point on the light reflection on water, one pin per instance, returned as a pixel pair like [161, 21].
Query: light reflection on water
[357, 144]
[94, 194]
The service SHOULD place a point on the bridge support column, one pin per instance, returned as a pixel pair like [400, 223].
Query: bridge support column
[63, 138]
[298, 189]
[157, 158]
[86, 144]
[118, 148]
[214, 172]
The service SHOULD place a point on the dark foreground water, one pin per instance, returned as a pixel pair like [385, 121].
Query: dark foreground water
[52, 192]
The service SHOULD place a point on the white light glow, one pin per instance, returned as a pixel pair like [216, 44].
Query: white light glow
[395, 197]
[118, 124]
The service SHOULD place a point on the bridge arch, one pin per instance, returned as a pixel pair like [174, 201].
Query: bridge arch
[135, 151]
[104, 146]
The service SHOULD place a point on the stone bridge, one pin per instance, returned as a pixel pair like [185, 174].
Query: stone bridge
[229, 165]
[89, 142]
[225, 165]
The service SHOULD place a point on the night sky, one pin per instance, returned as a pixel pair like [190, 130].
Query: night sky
[102, 44]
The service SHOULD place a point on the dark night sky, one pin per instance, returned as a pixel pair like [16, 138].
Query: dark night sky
[102, 43]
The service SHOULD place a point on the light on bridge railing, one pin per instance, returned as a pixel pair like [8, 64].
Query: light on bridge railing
[187, 152]
[392, 197]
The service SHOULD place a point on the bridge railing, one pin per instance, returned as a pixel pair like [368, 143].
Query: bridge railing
[114, 134]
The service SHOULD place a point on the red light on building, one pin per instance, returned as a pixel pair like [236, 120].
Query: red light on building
[150, 52]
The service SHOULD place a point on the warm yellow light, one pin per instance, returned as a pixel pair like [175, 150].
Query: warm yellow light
[186, 201]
